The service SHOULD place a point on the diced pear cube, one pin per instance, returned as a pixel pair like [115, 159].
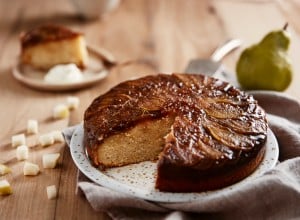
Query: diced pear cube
[31, 169]
[46, 139]
[61, 111]
[32, 126]
[73, 102]
[51, 192]
[4, 169]
[58, 137]
[50, 160]
[18, 140]
[22, 152]
[5, 188]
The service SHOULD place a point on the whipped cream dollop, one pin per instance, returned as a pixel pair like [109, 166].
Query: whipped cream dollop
[64, 73]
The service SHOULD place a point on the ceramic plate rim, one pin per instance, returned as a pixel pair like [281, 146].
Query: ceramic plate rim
[82, 162]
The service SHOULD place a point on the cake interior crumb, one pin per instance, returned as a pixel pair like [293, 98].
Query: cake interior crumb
[143, 142]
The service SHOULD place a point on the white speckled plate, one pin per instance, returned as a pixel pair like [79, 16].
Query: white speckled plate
[34, 78]
[138, 179]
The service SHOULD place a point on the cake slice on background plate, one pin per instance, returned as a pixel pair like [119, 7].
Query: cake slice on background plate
[48, 45]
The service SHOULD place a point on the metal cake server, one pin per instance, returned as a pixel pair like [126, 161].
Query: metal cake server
[213, 66]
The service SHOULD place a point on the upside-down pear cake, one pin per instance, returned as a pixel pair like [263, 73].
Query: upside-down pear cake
[49, 45]
[205, 133]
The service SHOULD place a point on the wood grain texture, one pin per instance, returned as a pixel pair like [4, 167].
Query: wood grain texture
[160, 35]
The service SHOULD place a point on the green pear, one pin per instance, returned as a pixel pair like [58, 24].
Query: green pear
[266, 65]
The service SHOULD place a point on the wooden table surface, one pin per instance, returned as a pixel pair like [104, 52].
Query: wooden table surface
[164, 35]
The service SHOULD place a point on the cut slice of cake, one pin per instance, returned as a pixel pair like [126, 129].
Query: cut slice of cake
[48, 45]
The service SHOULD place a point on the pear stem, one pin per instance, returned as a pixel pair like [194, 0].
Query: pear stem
[285, 26]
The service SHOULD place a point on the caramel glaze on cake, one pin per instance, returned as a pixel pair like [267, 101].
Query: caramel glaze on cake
[46, 33]
[205, 133]
[50, 44]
